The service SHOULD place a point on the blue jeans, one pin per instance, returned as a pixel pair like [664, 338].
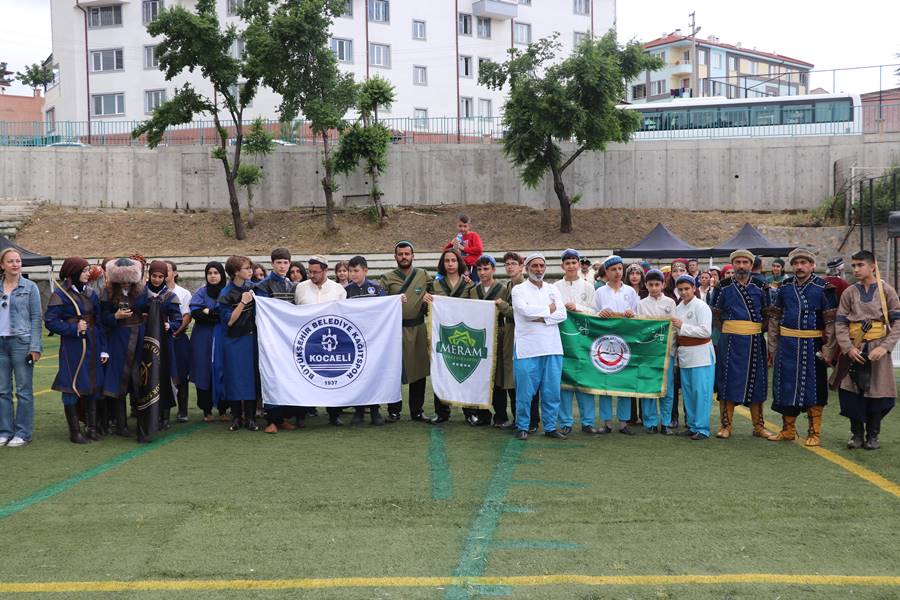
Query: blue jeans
[585, 408]
[542, 373]
[13, 354]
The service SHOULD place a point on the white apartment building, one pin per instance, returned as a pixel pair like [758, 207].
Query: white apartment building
[429, 49]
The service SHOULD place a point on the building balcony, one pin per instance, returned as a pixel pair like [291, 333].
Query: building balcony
[496, 9]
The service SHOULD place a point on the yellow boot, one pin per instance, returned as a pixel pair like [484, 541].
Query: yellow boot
[727, 413]
[759, 421]
[788, 429]
[815, 425]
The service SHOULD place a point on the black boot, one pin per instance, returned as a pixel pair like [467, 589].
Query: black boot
[236, 412]
[74, 426]
[102, 416]
[165, 416]
[856, 439]
[873, 428]
[359, 416]
[121, 420]
[250, 415]
[377, 419]
[182, 398]
[90, 419]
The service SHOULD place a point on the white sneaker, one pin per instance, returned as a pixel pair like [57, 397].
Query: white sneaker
[16, 442]
[4, 439]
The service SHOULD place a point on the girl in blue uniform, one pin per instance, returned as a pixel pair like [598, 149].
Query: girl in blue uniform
[73, 313]
[206, 320]
[236, 365]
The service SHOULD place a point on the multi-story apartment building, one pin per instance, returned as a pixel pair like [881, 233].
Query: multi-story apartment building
[430, 50]
[720, 70]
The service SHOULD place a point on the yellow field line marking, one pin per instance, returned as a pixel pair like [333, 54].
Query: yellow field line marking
[517, 581]
[848, 465]
[42, 392]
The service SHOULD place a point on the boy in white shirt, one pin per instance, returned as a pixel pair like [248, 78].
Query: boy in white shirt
[696, 358]
[578, 295]
[615, 300]
[658, 304]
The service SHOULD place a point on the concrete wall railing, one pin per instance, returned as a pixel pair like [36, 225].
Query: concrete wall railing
[722, 174]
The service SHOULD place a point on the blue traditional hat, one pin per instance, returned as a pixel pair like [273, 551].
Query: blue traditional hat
[686, 279]
[489, 258]
[611, 261]
[404, 244]
[655, 275]
[570, 253]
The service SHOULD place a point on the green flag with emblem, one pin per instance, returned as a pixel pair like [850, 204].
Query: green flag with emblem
[616, 357]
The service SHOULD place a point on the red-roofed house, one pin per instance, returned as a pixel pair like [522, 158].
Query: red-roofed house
[729, 70]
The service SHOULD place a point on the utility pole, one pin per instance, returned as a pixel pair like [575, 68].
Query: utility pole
[695, 62]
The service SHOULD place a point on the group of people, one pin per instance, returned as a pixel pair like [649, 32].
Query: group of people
[731, 324]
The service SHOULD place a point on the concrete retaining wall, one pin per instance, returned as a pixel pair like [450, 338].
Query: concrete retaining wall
[726, 174]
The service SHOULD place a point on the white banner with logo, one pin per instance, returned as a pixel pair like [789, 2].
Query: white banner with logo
[345, 353]
[463, 348]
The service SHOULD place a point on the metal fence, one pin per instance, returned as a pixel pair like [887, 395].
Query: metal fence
[868, 118]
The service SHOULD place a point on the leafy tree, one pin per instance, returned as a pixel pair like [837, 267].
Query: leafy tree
[197, 41]
[368, 140]
[36, 76]
[5, 81]
[573, 100]
[258, 143]
[288, 41]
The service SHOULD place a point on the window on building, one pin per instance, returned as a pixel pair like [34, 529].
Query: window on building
[732, 63]
[481, 63]
[702, 56]
[420, 118]
[380, 55]
[661, 54]
[466, 108]
[152, 99]
[771, 90]
[420, 75]
[418, 30]
[235, 91]
[233, 6]
[237, 48]
[829, 112]
[150, 60]
[465, 66]
[151, 9]
[107, 60]
[639, 91]
[658, 87]
[797, 114]
[717, 88]
[717, 60]
[104, 105]
[582, 7]
[105, 16]
[50, 120]
[348, 9]
[464, 24]
[754, 67]
[578, 37]
[525, 2]
[523, 33]
[485, 108]
[380, 11]
[484, 27]
[686, 56]
[343, 49]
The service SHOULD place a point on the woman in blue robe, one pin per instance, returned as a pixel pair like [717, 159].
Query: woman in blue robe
[206, 320]
[122, 307]
[73, 313]
[235, 359]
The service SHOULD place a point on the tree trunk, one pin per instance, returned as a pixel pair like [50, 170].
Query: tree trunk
[235, 206]
[375, 195]
[251, 219]
[328, 186]
[565, 205]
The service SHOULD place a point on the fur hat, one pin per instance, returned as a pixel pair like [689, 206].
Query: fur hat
[124, 270]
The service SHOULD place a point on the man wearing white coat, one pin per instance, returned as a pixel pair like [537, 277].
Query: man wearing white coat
[578, 296]
[696, 357]
[538, 309]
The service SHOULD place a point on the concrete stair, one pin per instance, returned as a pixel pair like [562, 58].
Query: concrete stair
[191, 276]
[14, 213]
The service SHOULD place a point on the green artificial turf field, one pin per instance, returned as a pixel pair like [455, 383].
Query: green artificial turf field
[410, 510]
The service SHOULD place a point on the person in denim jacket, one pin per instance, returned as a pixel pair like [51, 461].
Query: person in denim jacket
[20, 348]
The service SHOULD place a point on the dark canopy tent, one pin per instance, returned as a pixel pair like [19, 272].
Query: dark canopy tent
[29, 259]
[662, 243]
[749, 238]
